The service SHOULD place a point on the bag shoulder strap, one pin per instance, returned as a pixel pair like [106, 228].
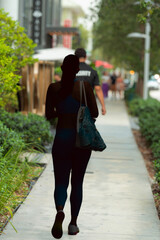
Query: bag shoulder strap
[82, 90]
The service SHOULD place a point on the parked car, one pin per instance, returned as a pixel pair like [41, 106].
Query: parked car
[153, 84]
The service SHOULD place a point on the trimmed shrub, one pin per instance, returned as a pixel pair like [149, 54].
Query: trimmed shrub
[148, 112]
[9, 139]
[138, 105]
[32, 128]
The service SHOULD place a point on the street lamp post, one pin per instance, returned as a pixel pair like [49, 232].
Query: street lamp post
[146, 60]
[146, 36]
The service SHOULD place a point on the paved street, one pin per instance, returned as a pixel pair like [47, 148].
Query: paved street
[118, 202]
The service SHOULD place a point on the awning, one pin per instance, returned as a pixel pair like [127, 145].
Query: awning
[99, 63]
[53, 54]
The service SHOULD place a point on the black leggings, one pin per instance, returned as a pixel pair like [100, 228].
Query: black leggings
[65, 162]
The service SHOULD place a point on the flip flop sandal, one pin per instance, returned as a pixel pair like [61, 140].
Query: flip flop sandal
[72, 229]
[57, 230]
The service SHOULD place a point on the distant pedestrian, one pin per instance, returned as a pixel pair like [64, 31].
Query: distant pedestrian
[120, 86]
[106, 82]
[113, 84]
[57, 77]
[88, 74]
[63, 101]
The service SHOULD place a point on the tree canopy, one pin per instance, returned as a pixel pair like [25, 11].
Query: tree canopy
[16, 51]
[83, 41]
[118, 18]
[8, 77]
[14, 36]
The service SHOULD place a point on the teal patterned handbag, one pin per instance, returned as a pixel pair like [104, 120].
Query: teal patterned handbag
[88, 136]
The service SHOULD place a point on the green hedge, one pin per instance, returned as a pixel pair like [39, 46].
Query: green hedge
[9, 139]
[33, 129]
[138, 105]
[148, 112]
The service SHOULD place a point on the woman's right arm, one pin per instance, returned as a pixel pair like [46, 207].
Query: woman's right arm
[50, 111]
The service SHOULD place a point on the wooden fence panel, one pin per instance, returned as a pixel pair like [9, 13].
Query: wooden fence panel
[23, 93]
[40, 89]
[35, 101]
[35, 81]
[30, 87]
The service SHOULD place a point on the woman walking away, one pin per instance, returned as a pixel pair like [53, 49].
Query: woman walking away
[63, 101]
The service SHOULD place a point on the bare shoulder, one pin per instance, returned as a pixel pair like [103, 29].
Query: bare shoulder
[54, 86]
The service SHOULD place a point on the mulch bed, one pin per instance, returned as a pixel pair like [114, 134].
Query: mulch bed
[148, 158]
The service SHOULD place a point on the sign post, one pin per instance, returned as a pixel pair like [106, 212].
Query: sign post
[37, 21]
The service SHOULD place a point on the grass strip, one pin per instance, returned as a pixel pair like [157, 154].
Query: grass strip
[17, 178]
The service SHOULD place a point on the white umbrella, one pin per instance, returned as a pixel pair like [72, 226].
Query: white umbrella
[53, 54]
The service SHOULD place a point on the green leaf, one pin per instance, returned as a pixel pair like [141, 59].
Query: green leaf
[10, 211]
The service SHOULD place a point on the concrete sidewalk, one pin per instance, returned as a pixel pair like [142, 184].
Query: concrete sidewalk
[118, 202]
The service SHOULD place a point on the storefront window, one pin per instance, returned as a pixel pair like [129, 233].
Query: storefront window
[27, 17]
[53, 9]
[56, 15]
[49, 12]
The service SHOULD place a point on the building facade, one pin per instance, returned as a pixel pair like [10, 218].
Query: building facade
[49, 23]
[36, 16]
[71, 11]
